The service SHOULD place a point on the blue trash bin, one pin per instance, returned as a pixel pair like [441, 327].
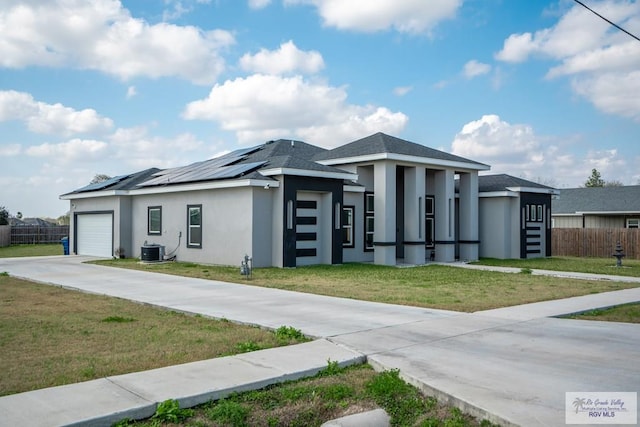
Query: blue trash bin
[65, 245]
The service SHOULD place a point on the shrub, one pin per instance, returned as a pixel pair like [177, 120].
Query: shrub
[170, 411]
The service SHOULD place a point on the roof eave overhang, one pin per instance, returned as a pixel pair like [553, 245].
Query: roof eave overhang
[601, 213]
[309, 173]
[551, 191]
[406, 158]
[162, 189]
[487, 194]
[354, 189]
[609, 213]
[92, 194]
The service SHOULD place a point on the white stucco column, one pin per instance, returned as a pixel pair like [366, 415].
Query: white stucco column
[468, 215]
[384, 237]
[445, 227]
[414, 223]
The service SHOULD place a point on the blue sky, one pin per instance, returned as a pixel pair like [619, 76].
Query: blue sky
[542, 90]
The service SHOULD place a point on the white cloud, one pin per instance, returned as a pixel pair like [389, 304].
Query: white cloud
[139, 150]
[261, 107]
[613, 93]
[131, 92]
[67, 152]
[176, 12]
[492, 138]
[515, 149]
[287, 59]
[408, 16]
[590, 51]
[101, 35]
[517, 48]
[259, 4]
[402, 90]
[474, 68]
[9, 150]
[46, 118]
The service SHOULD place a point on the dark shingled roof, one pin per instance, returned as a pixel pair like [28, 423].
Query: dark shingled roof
[293, 162]
[287, 153]
[283, 147]
[122, 182]
[597, 199]
[500, 182]
[380, 143]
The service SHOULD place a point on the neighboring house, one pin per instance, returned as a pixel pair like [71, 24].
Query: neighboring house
[30, 222]
[287, 203]
[597, 207]
[515, 217]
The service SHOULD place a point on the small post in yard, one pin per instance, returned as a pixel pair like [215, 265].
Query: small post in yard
[618, 254]
[246, 267]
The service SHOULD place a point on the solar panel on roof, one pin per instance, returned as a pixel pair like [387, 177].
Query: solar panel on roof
[205, 171]
[235, 170]
[103, 184]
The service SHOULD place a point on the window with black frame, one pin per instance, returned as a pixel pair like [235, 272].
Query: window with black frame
[154, 220]
[369, 219]
[194, 226]
[348, 225]
[430, 220]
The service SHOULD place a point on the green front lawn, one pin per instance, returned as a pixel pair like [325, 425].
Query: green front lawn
[52, 336]
[431, 286]
[31, 250]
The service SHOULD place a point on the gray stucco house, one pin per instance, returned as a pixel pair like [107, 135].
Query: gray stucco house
[597, 207]
[288, 203]
[515, 217]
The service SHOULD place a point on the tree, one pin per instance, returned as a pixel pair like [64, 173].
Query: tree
[64, 219]
[614, 183]
[99, 178]
[595, 180]
[4, 216]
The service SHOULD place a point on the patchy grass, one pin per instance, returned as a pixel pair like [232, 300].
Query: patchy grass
[31, 250]
[51, 336]
[432, 286]
[313, 401]
[630, 267]
[627, 313]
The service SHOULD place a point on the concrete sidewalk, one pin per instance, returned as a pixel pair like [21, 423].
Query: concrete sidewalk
[108, 400]
[552, 273]
[509, 367]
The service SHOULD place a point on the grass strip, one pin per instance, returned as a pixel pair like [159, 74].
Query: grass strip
[333, 393]
[51, 336]
[627, 313]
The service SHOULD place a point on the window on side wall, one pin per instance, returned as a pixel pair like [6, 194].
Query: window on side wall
[633, 222]
[348, 240]
[154, 220]
[194, 226]
[430, 220]
[369, 216]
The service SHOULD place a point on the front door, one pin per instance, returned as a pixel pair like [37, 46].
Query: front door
[313, 237]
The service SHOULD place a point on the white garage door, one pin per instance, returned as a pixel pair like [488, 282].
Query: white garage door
[95, 234]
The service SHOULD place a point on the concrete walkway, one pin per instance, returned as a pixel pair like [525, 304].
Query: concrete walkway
[552, 273]
[512, 366]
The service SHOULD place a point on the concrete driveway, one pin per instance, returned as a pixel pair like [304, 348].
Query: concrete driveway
[512, 366]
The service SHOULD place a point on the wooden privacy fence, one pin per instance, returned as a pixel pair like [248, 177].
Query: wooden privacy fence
[5, 235]
[32, 234]
[595, 242]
